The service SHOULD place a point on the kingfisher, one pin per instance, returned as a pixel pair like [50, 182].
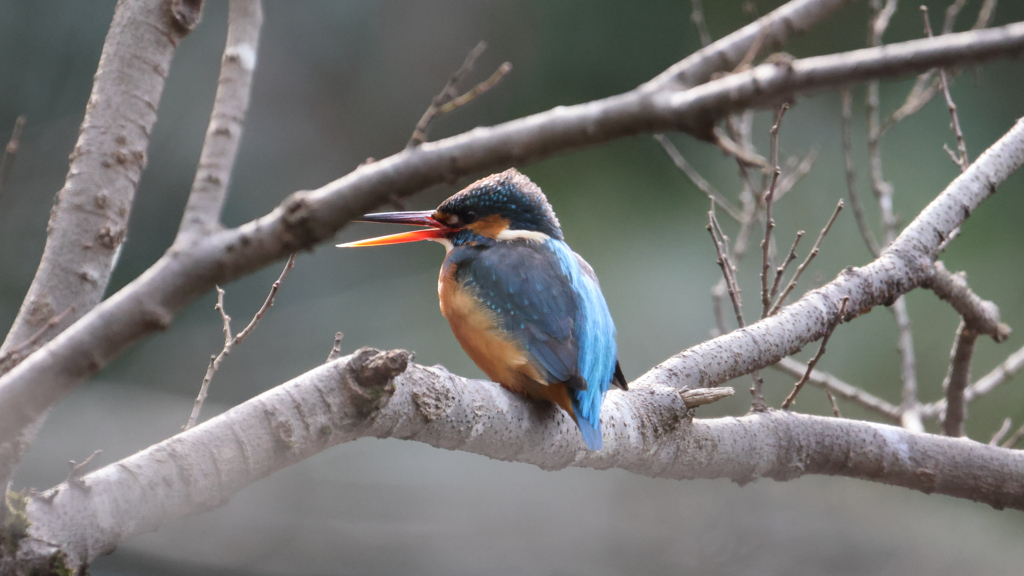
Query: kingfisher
[526, 309]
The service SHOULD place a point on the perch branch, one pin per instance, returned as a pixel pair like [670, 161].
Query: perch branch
[382, 395]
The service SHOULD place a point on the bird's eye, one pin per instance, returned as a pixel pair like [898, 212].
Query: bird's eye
[469, 217]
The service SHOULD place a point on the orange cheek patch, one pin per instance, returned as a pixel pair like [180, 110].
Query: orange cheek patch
[490, 226]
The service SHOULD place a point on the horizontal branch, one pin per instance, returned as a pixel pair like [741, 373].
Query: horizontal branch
[306, 218]
[648, 431]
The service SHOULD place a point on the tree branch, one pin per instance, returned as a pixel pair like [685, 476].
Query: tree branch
[306, 218]
[89, 219]
[957, 379]
[224, 133]
[774, 29]
[905, 264]
[648, 431]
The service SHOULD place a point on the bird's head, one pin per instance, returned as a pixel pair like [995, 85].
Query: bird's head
[505, 207]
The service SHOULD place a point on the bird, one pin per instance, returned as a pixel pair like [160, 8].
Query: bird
[526, 309]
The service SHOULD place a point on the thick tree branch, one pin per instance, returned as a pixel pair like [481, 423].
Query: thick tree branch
[224, 133]
[89, 219]
[306, 218]
[648, 431]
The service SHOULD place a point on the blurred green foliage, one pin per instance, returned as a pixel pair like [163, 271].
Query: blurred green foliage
[338, 82]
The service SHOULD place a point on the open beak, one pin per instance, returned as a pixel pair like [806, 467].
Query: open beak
[436, 231]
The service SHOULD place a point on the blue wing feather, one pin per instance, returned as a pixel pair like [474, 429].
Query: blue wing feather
[550, 299]
[526, 289]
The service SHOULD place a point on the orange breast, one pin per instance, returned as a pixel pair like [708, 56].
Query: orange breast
[496, 352]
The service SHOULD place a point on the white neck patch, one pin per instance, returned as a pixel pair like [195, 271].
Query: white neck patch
[528, 235]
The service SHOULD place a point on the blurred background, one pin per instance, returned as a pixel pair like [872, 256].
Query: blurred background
[338, 82]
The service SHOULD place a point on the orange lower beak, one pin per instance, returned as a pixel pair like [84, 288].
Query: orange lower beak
[436, 231]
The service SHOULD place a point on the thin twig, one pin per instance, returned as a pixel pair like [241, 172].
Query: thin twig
[76, 470]
[851, 176]
[957, 379]
[1014, 438]
[960, 158]
[844, 390]
[727, 269]
[697, 17]
[11, 151]
[814, 361]
[477, 90]
[695, 177]
[229, 341]
[717, 295]
[769, 224]
[785, 264]
[336, 349]
[734, 294]
[789, 180]
[448, 98]
[832, 401]
[998, 436]
[803, 265]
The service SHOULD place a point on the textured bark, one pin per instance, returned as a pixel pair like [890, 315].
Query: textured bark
[89, 219]
[224, 133]
[648, 431]
[306, 218]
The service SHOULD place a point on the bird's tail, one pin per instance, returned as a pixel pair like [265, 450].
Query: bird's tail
[591, 431]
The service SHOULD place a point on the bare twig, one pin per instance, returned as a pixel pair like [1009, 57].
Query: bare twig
[477, 90]
[1011, 442]
[697, 17]
[803, 265]
[77, 470]
[769, 224]
[695, 177]
[998, 436]
[230, 342]
[740, 152]
[717, 295]
[734, 294]
[957, 379]
[844, 390]
[790, 179]
[336, 349]
[11, 151]
[832, 401]
[785, 264]
[448, 98]
[814, 361]
[851, 176]
[727, 268]
[960, 158]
